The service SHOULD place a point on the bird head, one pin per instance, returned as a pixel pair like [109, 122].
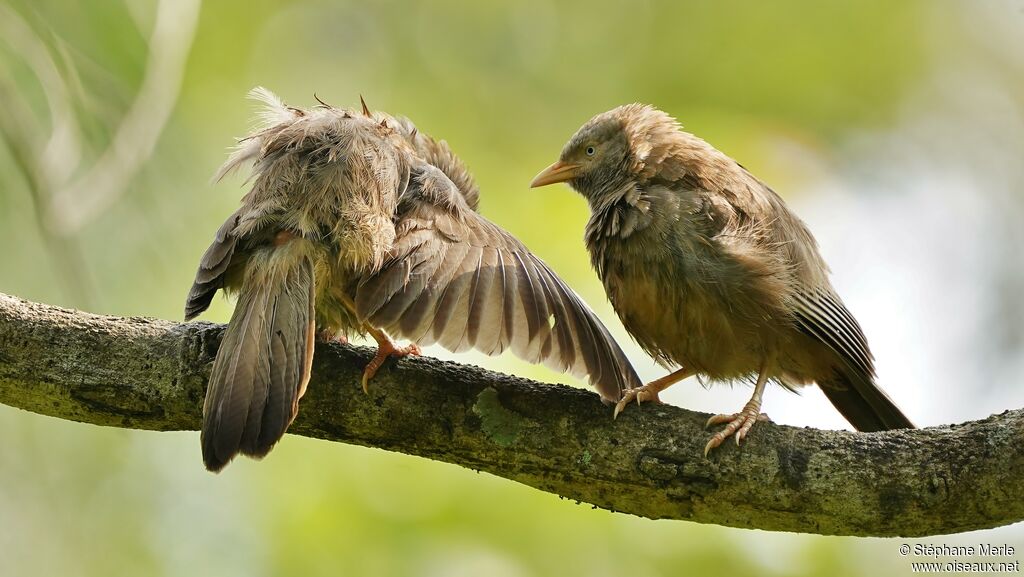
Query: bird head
[611, 150]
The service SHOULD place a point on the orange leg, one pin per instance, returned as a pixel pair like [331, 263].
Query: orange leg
[649, 392]
[739, 424]
[385, 348]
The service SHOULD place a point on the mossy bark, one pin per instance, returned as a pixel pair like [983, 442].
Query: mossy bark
[151, 374]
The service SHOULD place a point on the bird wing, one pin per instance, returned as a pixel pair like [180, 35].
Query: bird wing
[822, 315]
[456, 279]
[439, 154]
[212, 267]
[852, 389]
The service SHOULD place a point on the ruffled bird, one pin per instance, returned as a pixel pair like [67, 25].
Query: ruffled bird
[711, 272]
[358, 224]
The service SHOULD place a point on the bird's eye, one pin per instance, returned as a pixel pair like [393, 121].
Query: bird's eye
[590, 151]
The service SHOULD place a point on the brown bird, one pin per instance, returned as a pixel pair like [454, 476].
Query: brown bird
[711, 272]
[356, 223]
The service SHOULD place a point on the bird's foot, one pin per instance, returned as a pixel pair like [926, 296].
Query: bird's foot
[736, 424]
[332, 337]
[386, 348]
[644, 394]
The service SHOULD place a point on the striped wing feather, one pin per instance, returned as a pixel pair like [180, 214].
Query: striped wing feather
[852, 389]
[456, 279]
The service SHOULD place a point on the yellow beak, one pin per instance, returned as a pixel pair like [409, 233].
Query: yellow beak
[557, 172]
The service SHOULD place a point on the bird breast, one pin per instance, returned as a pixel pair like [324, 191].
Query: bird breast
[690, 297]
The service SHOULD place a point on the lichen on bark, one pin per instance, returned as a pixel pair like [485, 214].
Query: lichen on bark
[151, 374]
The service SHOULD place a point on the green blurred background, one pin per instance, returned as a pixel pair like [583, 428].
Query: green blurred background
[896, 129]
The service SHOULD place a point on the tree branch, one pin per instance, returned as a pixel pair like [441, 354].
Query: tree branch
[151, 374]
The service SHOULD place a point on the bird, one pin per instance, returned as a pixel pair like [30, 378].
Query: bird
[356, 223]
[711, 272]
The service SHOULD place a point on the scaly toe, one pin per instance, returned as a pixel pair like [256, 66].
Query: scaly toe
[382, 355]
[627, 397]
[640, 394]
[748, 422]
[736, 426]
[721, 418]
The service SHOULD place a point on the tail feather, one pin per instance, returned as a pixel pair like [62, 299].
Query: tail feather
[864, 405]
[263, 364]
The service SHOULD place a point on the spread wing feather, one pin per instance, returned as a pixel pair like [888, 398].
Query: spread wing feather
[456, 279]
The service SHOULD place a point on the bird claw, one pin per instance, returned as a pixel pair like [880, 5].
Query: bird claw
[736, 425]
[641, 394]
[385, 350]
